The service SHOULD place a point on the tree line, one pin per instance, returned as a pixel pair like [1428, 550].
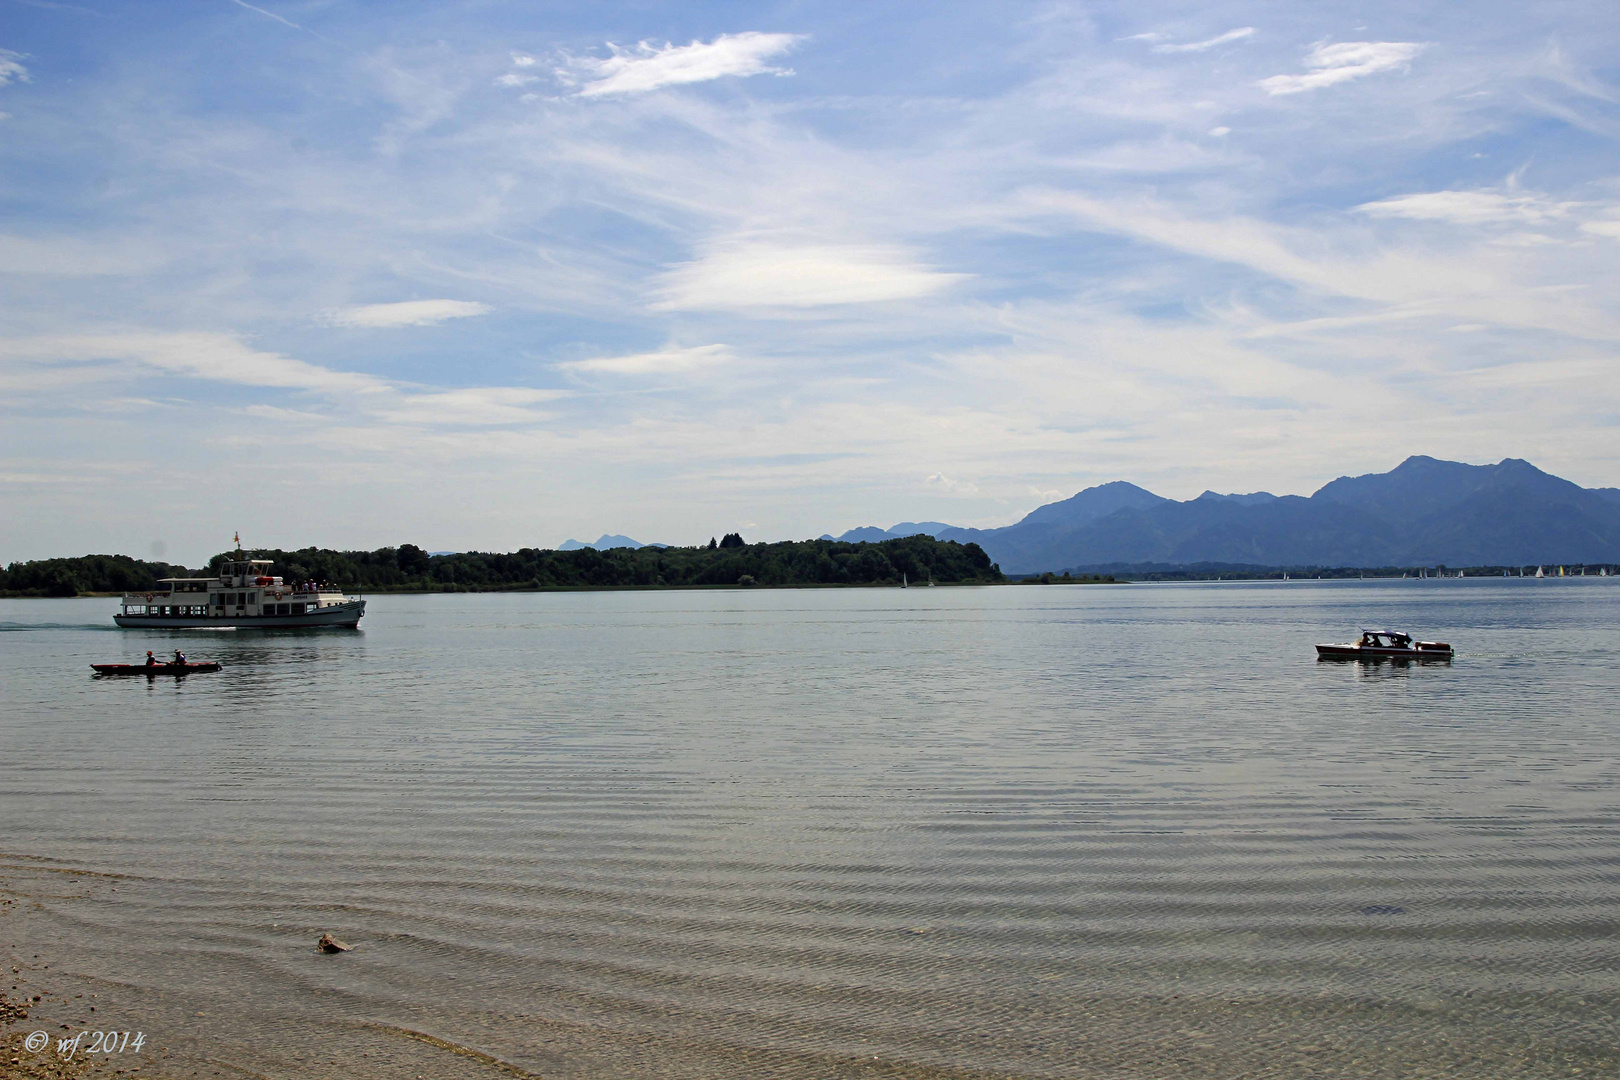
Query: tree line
[87, 573]
[407, 568]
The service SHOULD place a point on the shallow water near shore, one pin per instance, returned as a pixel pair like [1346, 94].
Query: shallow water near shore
[1021, 831]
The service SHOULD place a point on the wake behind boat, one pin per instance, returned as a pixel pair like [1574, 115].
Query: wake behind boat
[1386, 645]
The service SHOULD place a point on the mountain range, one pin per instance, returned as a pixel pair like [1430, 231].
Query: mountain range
[607, 542]
[1424, 512]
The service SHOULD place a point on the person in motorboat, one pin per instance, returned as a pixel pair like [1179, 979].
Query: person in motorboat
[1387, 644]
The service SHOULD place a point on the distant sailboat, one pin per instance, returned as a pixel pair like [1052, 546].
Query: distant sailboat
[903, 584]
[1539, 572]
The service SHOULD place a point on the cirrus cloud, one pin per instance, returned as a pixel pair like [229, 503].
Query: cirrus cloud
[1469, 207]
[661, 362]
[406, 313]
[1333, 64]
[765, 273]
[1239, 34]
[649, 67]
[11, 68]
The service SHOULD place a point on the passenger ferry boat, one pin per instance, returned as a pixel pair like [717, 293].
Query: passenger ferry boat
[243, 595]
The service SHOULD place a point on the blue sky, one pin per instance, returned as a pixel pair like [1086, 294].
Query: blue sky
[490, 275]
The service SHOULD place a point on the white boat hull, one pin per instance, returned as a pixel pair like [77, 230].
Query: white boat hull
[344, 614]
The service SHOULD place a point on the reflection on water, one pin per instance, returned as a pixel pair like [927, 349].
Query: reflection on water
[1045, 832]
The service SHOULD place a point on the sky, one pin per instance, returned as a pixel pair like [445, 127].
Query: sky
[491, 275]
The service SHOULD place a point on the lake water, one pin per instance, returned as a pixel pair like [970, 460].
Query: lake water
[1131, 831]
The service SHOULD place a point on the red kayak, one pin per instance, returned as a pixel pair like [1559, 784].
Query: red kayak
[152, 669]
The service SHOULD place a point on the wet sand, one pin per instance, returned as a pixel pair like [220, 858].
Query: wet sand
[195, 1032]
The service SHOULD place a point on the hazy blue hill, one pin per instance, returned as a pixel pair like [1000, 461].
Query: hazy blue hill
[1288, 531]
[1421, 486]
[866, 534]
[1254, 498]
[1424, 512]
[871, 534]
[607, 542]
[1093, 504]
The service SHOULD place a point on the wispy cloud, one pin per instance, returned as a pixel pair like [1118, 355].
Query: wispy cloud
[1470, 207]
[406, 313]
[483, 406]
[739, 274]
[29, 365]
[1334, 64]
[662, 362]
[267, 14]
[648, 67]
[216, 357]
[11, 68]
[1230, 36]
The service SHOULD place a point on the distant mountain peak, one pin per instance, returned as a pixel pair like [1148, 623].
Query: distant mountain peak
[1253, 498]
[1094, 503]
[607, 541]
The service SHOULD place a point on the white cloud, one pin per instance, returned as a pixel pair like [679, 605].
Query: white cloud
[751, 273]
[474, 406]
[664, 361]
[406, 313]
[1608, 227]
[218, 357]
[1200, 46]
[648, 67]
[511, 78]
[11, 68]
[1469, 207]
[50, 363]
[1339, 63]
[941, 482]
[520, 60]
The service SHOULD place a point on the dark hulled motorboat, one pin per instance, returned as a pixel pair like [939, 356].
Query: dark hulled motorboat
[1386, 645]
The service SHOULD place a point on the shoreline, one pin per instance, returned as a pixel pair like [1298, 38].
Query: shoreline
[625, 588]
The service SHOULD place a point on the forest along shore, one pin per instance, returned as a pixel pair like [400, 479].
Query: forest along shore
[407, 568]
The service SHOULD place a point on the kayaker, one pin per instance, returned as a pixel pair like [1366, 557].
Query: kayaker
[179, 658]
[151, 661]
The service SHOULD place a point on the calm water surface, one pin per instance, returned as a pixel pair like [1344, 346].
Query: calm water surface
[1030, 832]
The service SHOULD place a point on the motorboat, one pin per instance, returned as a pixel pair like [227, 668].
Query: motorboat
[1386, 645]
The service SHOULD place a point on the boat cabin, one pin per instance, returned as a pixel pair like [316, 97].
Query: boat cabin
[244, 588]
[1385, 639]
